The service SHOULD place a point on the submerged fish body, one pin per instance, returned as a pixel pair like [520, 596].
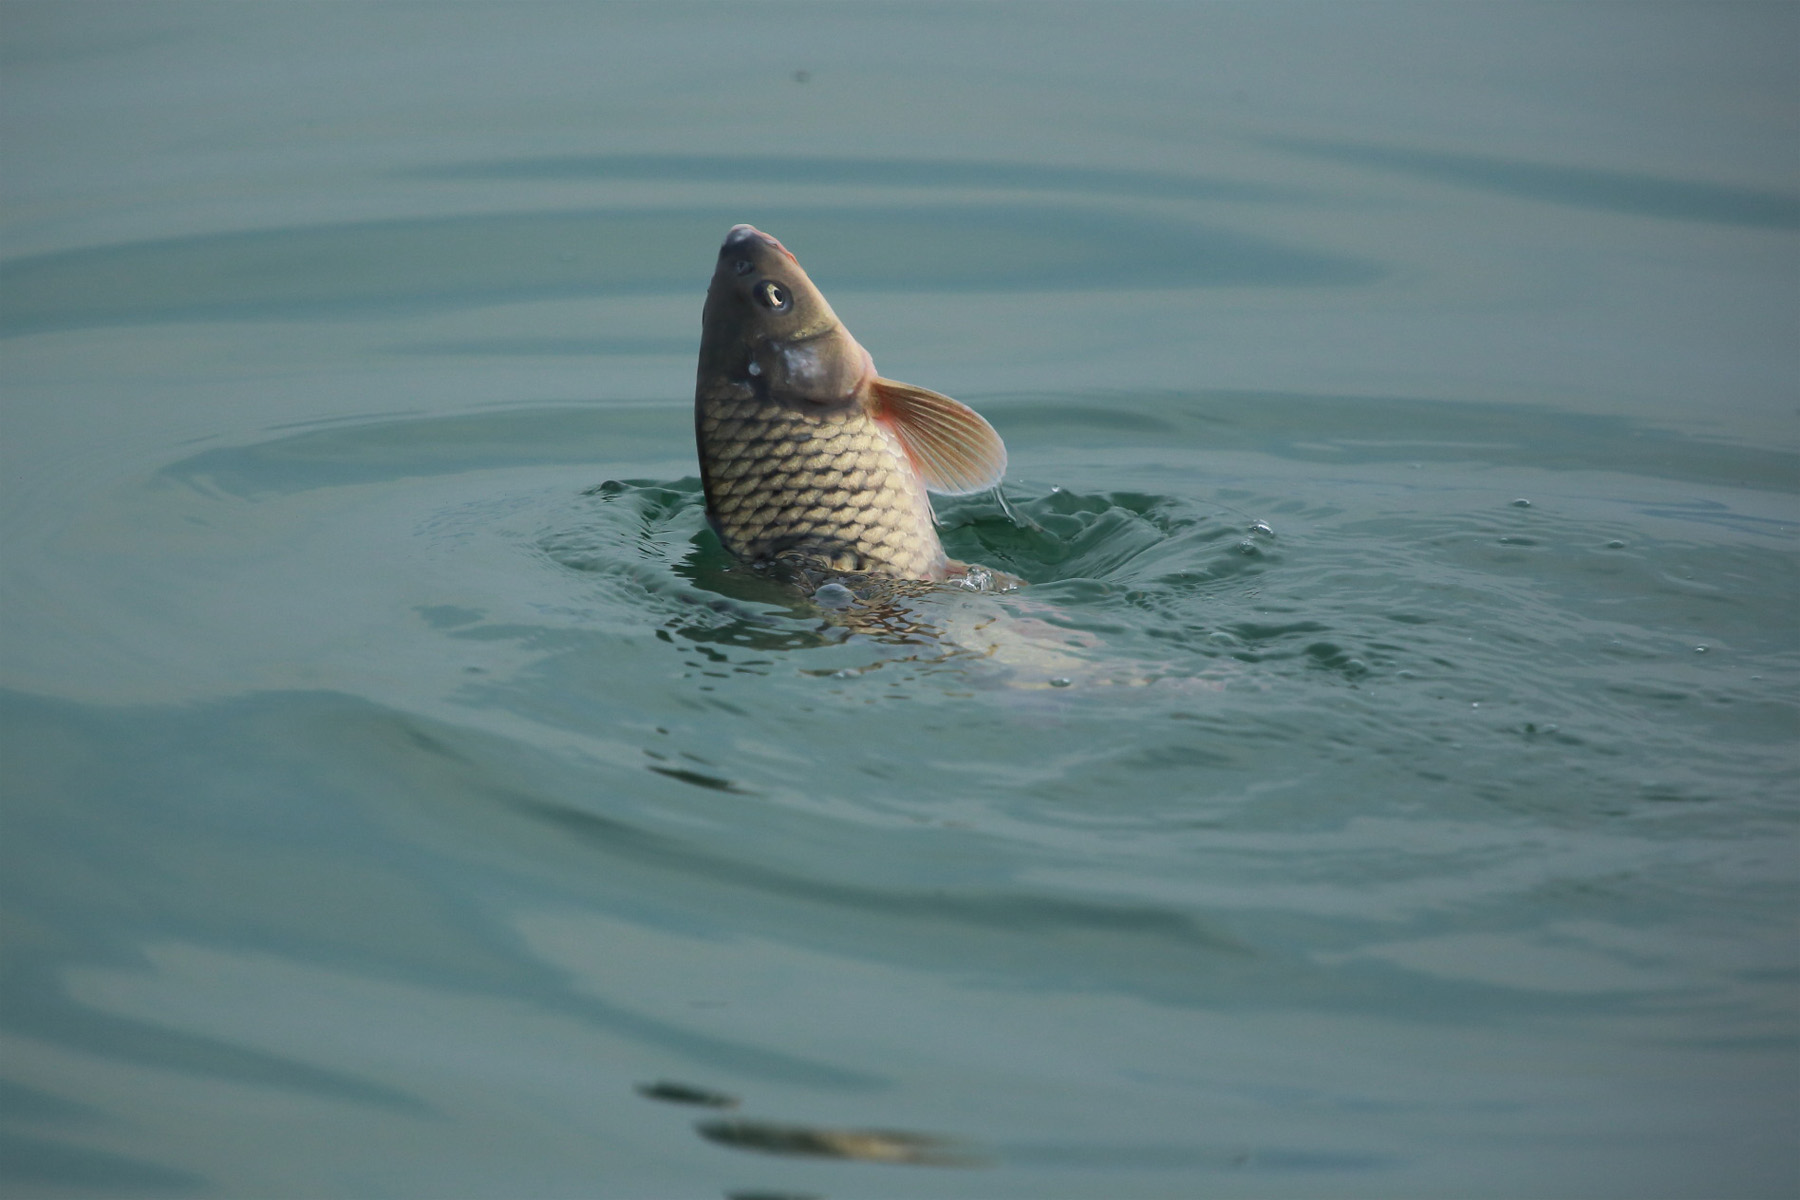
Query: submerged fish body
[807, 455]
[1017, 644]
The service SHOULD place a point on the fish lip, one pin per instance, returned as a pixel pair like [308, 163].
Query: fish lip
[743, 233]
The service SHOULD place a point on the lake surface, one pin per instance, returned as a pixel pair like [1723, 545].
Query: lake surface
[1385, 786]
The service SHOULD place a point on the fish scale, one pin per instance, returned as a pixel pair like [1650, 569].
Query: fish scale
[833, 487]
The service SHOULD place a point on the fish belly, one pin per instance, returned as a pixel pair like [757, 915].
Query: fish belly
[833, 489]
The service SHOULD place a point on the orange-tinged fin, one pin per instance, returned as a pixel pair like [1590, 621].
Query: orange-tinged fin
[955, 450]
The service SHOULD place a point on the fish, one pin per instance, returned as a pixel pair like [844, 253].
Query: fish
[809, 457]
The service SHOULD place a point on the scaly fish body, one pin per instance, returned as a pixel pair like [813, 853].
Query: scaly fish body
[832, 487]
[807, 454]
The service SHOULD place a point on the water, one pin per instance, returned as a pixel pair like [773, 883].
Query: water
[1384, 788]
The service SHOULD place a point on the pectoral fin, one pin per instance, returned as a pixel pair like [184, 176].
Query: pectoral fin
[955, 450]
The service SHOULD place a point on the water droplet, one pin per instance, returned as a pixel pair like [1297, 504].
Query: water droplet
[1059, 682]
[1248, 548]
[1699, 649]
[1262, 527]
[1615, 544]
[834, 595]
[1521, 503]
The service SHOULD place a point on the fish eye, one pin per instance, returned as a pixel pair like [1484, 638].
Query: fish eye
[773, 295]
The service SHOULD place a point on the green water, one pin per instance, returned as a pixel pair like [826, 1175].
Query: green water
[1384, 786]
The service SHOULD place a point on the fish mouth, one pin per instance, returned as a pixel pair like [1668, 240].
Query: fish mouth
[743, 233]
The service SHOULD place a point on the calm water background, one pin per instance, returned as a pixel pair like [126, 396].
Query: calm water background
[1403, 412]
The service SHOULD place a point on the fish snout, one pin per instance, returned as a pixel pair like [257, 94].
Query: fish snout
[740, 234]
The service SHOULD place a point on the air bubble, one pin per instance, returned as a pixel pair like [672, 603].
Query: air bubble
[1521, 503]
[1262, 527]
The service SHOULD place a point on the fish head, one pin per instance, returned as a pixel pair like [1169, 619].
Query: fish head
[768, 329]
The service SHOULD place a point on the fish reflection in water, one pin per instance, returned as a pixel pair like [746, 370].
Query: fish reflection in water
[864, 1145]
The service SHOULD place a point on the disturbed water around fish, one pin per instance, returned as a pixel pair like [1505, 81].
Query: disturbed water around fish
[1383, 786]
